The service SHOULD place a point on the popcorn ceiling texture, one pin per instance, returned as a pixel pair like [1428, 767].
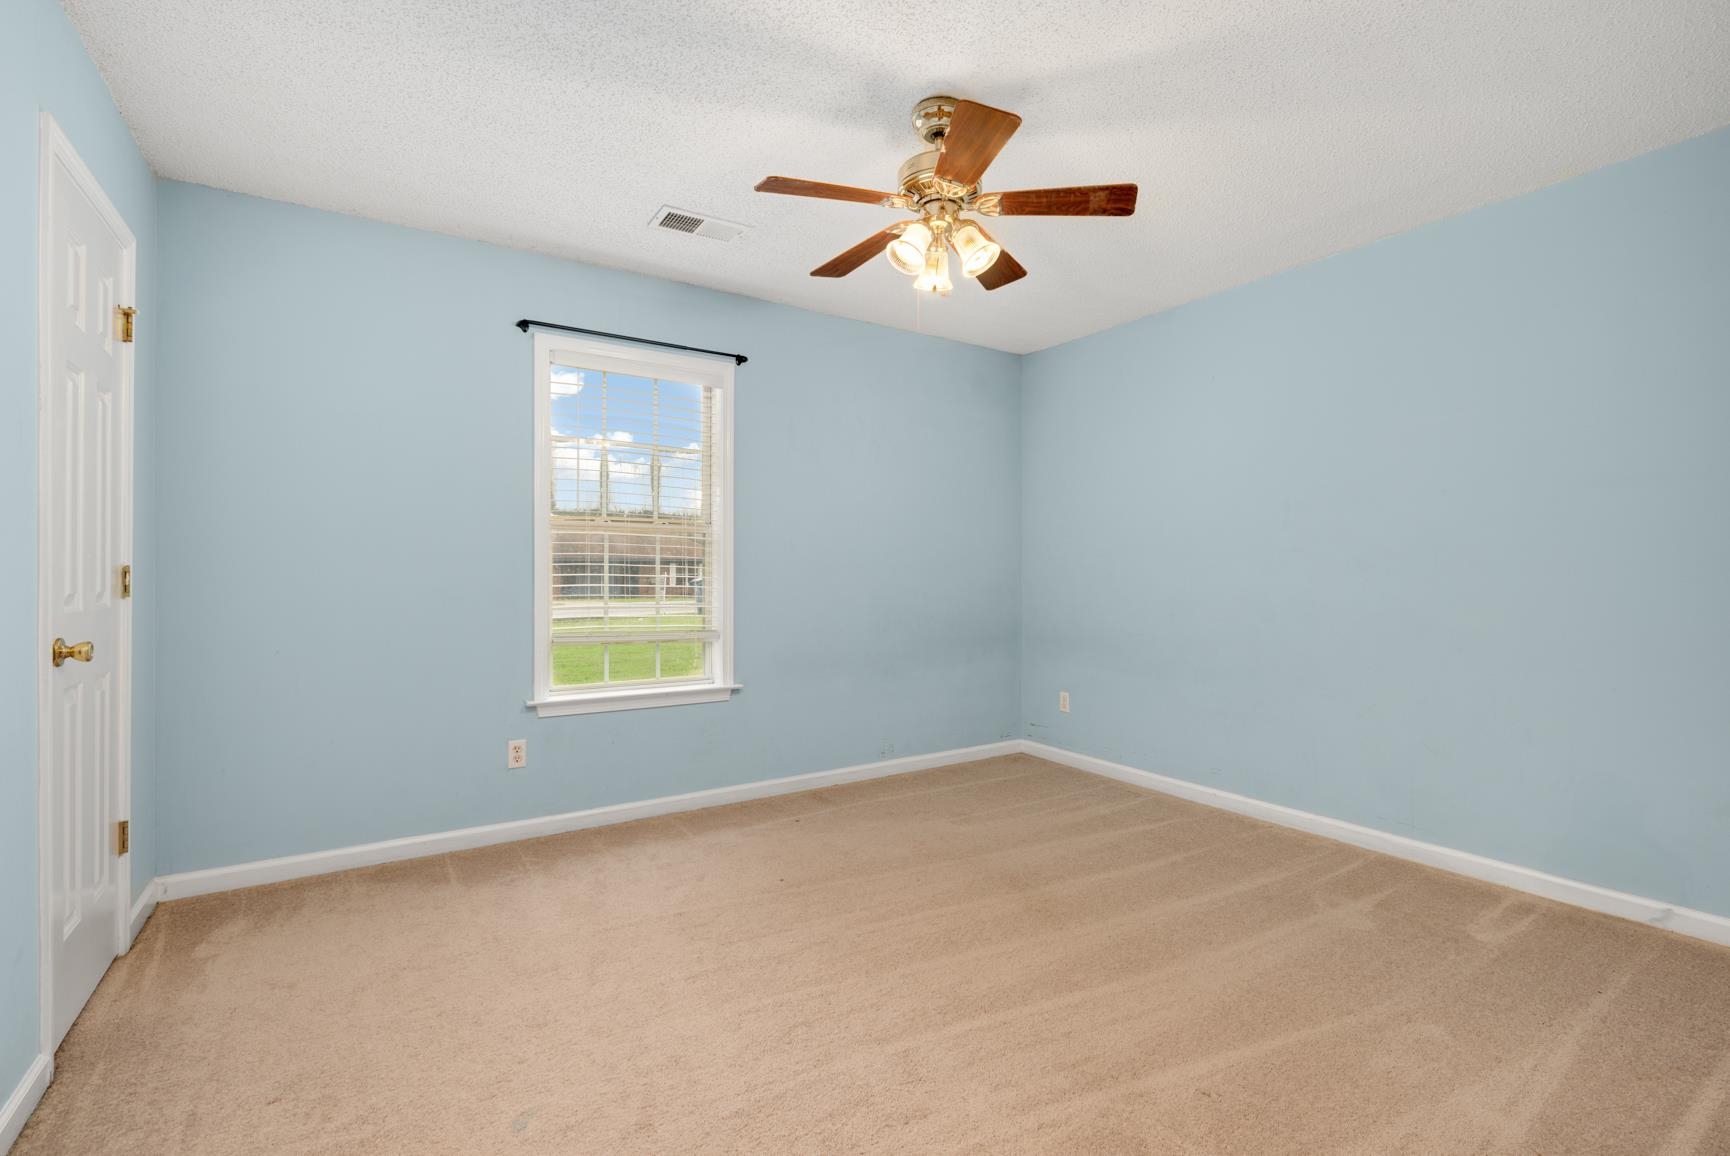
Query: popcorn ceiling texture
[1263, 134]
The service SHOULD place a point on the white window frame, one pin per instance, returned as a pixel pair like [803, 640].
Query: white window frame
[585, 353]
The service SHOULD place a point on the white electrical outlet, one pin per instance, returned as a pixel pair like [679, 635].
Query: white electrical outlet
[517, 753]
[1063, 701]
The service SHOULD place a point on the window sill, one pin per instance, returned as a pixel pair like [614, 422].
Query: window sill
[594, 702]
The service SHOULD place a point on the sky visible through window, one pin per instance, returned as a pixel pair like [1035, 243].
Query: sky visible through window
[648, 432]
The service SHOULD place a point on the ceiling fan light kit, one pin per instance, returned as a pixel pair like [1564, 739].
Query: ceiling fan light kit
[934, 278]
[977, 251]
[938, 185]
[907, 251]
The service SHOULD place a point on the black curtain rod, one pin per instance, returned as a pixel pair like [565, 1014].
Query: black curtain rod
[738, 358]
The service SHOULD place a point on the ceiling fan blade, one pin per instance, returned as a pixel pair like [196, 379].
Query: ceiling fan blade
[845, 263]
[1003, 270]
[977, 133]
[793, 187]
[1082, 201]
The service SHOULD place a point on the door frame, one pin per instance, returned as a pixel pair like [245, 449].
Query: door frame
[57, 149]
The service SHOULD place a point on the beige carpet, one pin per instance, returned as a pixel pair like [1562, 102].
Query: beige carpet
[1001, 957]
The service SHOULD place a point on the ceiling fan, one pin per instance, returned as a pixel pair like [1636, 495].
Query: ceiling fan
[941, 183]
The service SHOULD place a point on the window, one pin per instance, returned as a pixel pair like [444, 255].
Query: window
[633, 513]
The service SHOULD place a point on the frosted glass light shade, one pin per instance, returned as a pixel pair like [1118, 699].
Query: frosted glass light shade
[935, 276]
[978, 252]
[907, 252]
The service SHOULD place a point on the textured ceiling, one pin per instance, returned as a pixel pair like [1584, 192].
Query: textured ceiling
[1263, 133]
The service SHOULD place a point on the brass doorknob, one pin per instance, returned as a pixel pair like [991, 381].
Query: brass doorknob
[82, 651]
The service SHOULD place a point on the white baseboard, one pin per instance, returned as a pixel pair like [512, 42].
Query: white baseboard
[141, 910]
[1699, 924]
[23, 1101]
[187, 883]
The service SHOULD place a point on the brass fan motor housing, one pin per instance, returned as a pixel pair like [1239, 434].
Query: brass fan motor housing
[931, 117]
[918, 169]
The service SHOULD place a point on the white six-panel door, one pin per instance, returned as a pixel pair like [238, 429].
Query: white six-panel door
[85, 510]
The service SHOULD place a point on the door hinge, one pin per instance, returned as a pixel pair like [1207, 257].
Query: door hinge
[123, 837]
[123, 316]
[126, 581]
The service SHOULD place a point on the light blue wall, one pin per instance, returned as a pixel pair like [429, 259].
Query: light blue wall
[346, 538]
[1430, 536]
[43, 66]
[1433, 536]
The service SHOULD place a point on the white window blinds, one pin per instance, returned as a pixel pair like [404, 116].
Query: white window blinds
[633, 489]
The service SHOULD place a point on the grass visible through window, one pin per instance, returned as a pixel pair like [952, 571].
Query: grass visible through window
[582, 663]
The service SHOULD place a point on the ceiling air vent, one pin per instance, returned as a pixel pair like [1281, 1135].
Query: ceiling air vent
[696, 224]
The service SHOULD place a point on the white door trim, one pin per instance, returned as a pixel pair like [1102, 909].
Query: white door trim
[57, 149]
